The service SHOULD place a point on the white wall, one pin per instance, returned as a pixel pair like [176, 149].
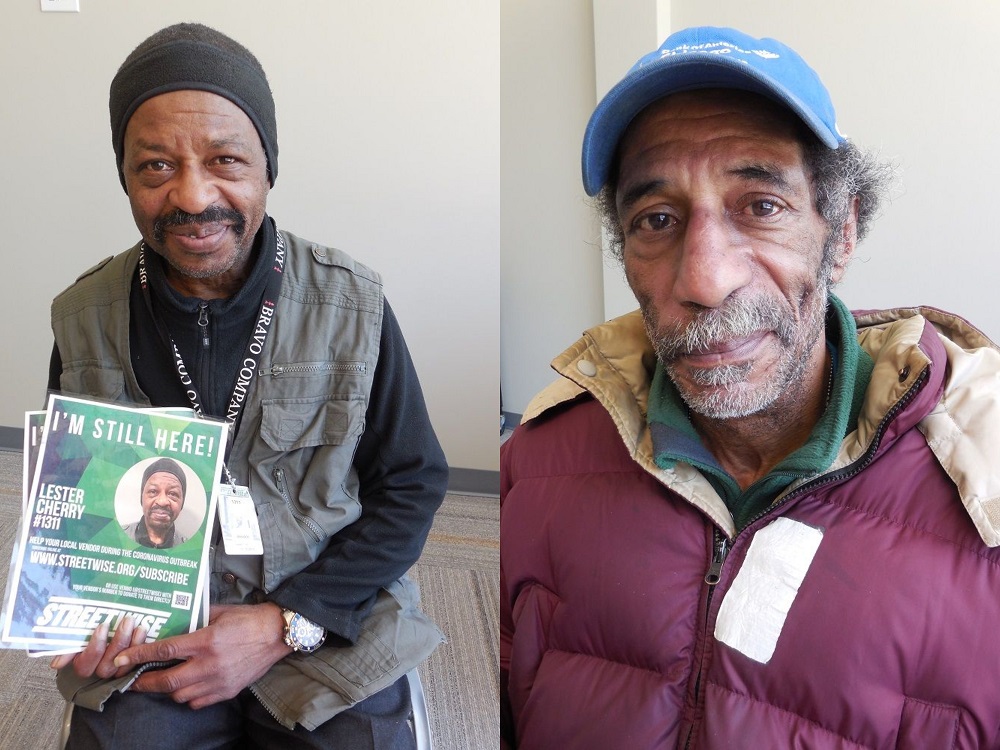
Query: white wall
[388, 127]
[624, 31]
[550, 266]
[919, 82]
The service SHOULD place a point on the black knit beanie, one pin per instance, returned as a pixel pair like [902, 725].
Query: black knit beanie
[193, 56]
[168, 465]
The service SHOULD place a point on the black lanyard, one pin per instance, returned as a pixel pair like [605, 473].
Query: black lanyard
[248, 370]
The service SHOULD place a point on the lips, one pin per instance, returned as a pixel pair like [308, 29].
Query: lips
[160, 514]
[729, 351]
[197, 230]
[198, 237]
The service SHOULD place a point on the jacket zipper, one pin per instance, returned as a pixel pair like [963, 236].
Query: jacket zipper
[858, 466]
[720, 551]
[203, 324]
[318, 368]
[265, 704]
[722, 545]
[203, 355]
[312, 526]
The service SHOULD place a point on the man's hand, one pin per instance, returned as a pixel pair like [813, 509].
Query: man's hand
[99, 655]
[240, 643]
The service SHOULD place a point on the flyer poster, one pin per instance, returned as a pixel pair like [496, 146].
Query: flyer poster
[34, 427]
[99, 539]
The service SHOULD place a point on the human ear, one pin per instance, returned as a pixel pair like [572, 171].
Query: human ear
[844, 249]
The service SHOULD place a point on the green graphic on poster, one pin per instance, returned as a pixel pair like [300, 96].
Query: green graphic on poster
[117, 522]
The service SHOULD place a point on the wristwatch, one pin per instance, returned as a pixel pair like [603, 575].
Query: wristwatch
[301, 633]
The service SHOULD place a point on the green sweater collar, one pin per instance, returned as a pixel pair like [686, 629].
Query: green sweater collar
[675, 439]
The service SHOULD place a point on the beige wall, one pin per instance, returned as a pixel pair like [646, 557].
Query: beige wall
[388, 122]
[917, 81]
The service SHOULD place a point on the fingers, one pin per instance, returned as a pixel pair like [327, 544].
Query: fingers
[87, 660]
[98, 658]
[61, 661]
[207, 700]
[138, 638]
[169, 649]
[187, 682]
[171, 680]
[122, 638]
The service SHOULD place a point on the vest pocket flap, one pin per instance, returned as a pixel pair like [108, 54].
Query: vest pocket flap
[288, 424]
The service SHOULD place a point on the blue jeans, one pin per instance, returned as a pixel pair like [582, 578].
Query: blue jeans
[153, 721]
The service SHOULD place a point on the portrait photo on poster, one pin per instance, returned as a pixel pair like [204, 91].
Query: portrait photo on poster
[141, 507]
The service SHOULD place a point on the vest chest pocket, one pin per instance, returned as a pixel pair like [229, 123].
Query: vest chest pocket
[89, 378]
[293, 423]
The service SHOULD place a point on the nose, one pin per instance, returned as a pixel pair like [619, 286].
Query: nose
[714, 261]
[192, 190]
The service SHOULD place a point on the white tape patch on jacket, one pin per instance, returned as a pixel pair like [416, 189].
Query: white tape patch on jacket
[753, 613]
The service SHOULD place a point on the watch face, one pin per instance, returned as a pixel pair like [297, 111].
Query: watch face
[307, 634]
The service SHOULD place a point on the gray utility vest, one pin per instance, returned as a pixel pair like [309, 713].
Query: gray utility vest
[309, 400]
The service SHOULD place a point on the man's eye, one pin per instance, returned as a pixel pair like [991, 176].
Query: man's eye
[156, 166]
[764, 208]
[656, 221]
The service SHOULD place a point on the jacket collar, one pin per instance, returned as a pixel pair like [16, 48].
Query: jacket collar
[962, 424]
[933, 371]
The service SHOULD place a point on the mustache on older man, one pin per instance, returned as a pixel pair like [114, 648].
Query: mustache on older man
[211, 215]
[737, 318]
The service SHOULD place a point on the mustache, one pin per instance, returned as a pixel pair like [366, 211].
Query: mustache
[211, 215]
[737, 318]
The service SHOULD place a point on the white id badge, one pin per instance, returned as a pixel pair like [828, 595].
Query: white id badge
[238, 520]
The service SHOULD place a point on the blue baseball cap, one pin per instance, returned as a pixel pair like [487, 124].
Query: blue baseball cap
[701, 58]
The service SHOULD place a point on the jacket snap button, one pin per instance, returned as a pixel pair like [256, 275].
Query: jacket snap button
[904, 373]
[229, 578]
[586, 367]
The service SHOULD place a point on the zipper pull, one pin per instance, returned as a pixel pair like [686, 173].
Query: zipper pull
[714, 573]
[203, 324]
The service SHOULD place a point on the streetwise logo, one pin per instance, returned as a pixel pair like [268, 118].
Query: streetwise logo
[64, 616]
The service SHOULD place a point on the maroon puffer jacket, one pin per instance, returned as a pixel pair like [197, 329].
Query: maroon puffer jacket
[609, 629]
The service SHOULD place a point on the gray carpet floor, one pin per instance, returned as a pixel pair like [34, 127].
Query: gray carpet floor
[458, 575]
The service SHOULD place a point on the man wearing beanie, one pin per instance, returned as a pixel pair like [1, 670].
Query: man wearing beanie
[161, 495]
[744, 516]
[294, 345]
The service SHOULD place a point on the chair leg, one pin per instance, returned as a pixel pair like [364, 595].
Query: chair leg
[67, 719]
[421, 727]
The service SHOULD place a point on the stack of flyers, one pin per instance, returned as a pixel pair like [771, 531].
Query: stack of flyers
[117, 521]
